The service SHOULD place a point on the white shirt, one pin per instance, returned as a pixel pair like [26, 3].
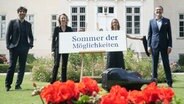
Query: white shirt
[159, 23]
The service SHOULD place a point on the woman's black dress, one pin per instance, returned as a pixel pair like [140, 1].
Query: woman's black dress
[115, 60]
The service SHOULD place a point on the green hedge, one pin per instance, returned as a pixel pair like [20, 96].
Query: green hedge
[4, 68]
[42, 69]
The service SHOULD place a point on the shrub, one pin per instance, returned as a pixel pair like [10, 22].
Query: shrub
[75, 61]
[30, 58]
[73, 74]
[4, 68]
[142, 66]
[41, 73]
[2, 59]
[93, 63]
[178, 69]
[181, 60]
[175, 67]
[93, 66]
[42, 69]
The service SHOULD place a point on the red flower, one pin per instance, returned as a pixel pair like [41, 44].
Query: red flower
[59, 92]
[166, 95]
[66, 92]
[117, 95]
[87, 86]
[155, 94]
[136, 97]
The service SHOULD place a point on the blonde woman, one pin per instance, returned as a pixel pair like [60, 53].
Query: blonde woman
[63, 27]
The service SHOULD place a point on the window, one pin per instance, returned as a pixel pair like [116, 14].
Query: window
[111, 9]
[100, 9]
[133, 20]
[2, 26]
[30, 19]
[106, 10]
[78, 17]
[181, 25]
[53, 22]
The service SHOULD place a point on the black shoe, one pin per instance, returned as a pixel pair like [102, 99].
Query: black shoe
[170, 85]
[154, 80]
[8, 89]
[18, 88]
[51, 82]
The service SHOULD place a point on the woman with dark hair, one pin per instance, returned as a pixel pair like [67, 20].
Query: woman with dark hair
[63, 27]
[116, 59]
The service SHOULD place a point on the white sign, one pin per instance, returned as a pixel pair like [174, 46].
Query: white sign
[102, 41]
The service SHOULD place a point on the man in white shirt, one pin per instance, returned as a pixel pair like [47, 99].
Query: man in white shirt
[160, 41]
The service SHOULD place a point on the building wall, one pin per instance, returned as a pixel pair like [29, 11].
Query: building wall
[43, 9]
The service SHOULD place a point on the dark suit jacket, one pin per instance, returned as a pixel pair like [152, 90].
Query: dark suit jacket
[55, 37]
[13, 34]
[160, 39]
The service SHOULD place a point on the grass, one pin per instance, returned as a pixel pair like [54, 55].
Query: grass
[19, 96]
[179, 87]
[24, 96]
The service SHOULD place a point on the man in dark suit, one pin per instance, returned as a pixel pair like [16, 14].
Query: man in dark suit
[160, 41]
[19, 39]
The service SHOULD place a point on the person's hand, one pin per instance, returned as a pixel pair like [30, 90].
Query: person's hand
[141, 38]
[149, 50]
[169, 49]
[30, 47]
[7, 48]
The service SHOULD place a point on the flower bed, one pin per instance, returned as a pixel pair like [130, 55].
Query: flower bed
[88, 92]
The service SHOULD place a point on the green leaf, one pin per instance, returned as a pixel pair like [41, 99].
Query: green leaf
[83, 99]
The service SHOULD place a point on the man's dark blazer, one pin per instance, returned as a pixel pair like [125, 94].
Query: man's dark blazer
[160, 39]
[13, 34]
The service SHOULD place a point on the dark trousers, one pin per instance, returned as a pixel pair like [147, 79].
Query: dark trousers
[64, 61]
[165, 60]
[115, 60]
[21, 56]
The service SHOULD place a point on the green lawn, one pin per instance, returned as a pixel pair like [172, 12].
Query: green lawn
[24, 96]
[21, 96]
[179, 86]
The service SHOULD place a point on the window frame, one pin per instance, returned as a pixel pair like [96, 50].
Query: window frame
[105, 10]
[78, 18]
[28, 18]
[131, 28]
[54, 21]
[2, 27]
[181, 32]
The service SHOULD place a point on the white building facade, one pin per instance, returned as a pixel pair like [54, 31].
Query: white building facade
[93, 15]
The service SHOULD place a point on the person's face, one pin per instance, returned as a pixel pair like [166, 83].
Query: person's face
[158, 11]
[115, 24]
[21, 14]
[63, 20]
